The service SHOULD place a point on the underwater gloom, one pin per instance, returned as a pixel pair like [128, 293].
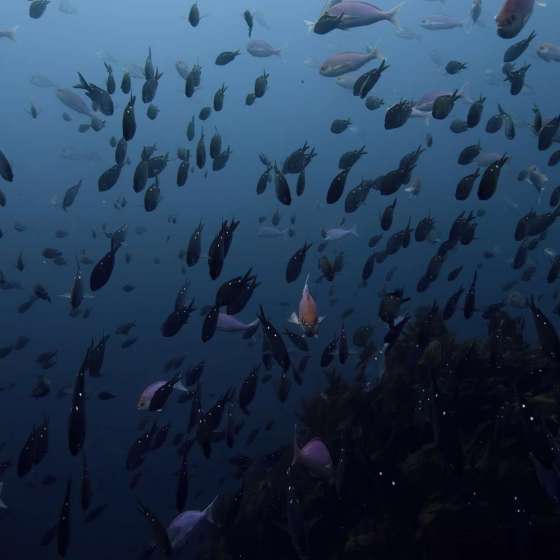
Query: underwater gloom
[279, 280]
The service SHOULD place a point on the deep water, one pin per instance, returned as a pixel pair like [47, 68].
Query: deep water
[298, 106]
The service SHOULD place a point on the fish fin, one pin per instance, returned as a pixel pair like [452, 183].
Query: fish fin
[354, 230]
[11, 33]
[209, 513]
[541, 4]
[180, 386]
[65, 296]
[89, 296]
[306, 285]
[354, 129]
[309, 24]
[321, 318]
[393, 15]
[294, 319]
[463, 92]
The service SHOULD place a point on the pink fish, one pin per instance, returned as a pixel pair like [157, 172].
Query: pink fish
[229, 323]
[358, 14]
[315, 456]
[148, 393]
[182, 526]
[513, 16]
[307, 317]
[342, 63]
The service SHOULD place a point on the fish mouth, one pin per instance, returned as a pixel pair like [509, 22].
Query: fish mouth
[507, 32]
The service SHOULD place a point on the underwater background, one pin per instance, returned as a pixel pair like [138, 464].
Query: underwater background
[459, 415]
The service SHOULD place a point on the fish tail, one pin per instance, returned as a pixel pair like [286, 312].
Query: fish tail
[310, 25]
[393, 15]
[354, 230]
[11, 34]
[209, 513]
[83, 84]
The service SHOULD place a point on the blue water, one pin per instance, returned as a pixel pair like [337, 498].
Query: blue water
[299, 106]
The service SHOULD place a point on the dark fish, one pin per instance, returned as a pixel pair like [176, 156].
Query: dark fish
[470, 304]
[443, 105]
[248, 17]
[297, 340]
[182, 492]
[70, 195]
[5, 168]
[194, 15]
[276, 344]
[159, 532]
[336, 188]
[293, 270]
[126, 83]
[194, 246]
[451, 304]
[248, 390]
[398, 114]
[296, 524]
[548, 337]
[26, 458]
[162, 394]
[77, 417]
[101, 272]
[454, 273]
[343, 351]
[210, 323]
[201, 152]
[327, 355]
[517, 49]
[469, 154]
[348, 159]
[387, 216]
[365, 83]
[85, 489]
[226, 57]
[63, 527]
[475, 112]
[489, 181]
[281, 187]
[465, 185]
[108, 179]
[548, 132]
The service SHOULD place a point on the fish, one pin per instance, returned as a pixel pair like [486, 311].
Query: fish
[350, 14]
[9, 33]
[307, 316]
[549, 52]
[512, 17]
[345, 62]
[440, 23]
[261, 49]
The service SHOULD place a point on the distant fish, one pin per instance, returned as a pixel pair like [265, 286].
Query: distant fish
[261, 49]
[9, 33]
[440, 23]
[549, 52]
[339, 233]
[67, 7]
[272, 232]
